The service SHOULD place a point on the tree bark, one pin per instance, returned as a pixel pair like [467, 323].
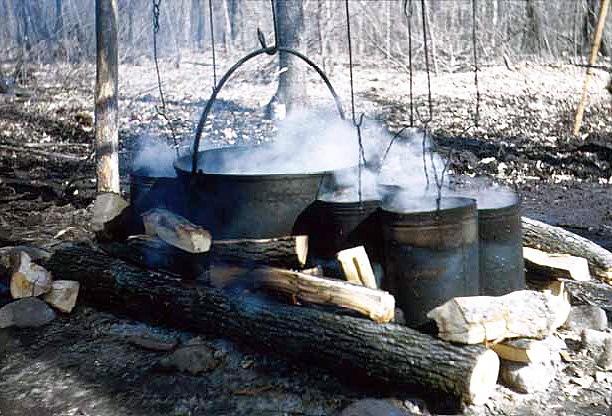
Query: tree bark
[291, 82]
[551, 239]
[107, 86]
[381, 352]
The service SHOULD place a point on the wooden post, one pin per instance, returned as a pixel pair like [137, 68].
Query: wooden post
[107, 86]
[601, 21]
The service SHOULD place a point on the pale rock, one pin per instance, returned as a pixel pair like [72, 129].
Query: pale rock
[63, 295]
[599, 346]
[527, 377]
[586, 317]
[27, 278]
[26, 312]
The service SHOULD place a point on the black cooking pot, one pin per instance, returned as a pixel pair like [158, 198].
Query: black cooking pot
[252, 203]
[233, 204]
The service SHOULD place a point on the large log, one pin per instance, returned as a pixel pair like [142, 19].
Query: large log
[154, 253]
[552, 239]
[287, 251]
[384, 352]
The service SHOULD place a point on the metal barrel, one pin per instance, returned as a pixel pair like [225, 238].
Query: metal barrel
[430, 252]
[148, 192]
[500, 245]
[333, 226]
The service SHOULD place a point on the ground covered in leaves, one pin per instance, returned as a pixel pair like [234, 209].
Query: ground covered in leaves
[84, 364]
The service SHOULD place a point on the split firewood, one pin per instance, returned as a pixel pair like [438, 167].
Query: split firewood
[525, 350]
[27, 278]
[385, 353]
[287, 251]
[477, 319]
[63, 295]
[378, 305]
[111, 216]
[357, 267]
[555, 266]
[552, 239]
[176, 230]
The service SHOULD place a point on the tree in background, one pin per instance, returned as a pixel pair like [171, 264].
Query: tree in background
[106, 96]
[291, 90]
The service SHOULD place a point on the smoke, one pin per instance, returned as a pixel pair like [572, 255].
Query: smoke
[154, 157]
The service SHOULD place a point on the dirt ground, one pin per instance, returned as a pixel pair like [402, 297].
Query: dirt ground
[84, 364]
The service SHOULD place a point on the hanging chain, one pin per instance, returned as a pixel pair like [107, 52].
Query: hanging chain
[361, 157]
[409, 21]
[161, 112]
[212, 41]
[426, 51]
[474, 47]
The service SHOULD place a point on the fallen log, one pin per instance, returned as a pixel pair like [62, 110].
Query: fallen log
[287, 251]
[540, 264]
[153, 253]
[591, 293]
[552, 239]
[387, 353]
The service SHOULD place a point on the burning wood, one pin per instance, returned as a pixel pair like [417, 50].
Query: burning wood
[176, 230]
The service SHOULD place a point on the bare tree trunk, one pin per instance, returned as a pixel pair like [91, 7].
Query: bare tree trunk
[227, 32]
[291, 86]
[107, 86]
[59, 21]
[430, 35]
[534, 42]
[196, 24]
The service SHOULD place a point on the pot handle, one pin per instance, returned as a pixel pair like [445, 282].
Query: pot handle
[211, 100]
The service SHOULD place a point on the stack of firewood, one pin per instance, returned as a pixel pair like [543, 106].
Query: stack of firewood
[177, 273]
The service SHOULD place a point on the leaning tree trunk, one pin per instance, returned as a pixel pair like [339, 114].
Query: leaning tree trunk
[107, 87]
[386, 353]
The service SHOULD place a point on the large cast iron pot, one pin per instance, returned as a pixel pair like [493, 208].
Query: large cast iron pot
[244, 205]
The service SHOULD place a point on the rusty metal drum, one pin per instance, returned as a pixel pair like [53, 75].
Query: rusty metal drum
[500, 243]
[430, 252]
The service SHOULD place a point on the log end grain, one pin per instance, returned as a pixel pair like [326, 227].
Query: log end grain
[483, 378]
